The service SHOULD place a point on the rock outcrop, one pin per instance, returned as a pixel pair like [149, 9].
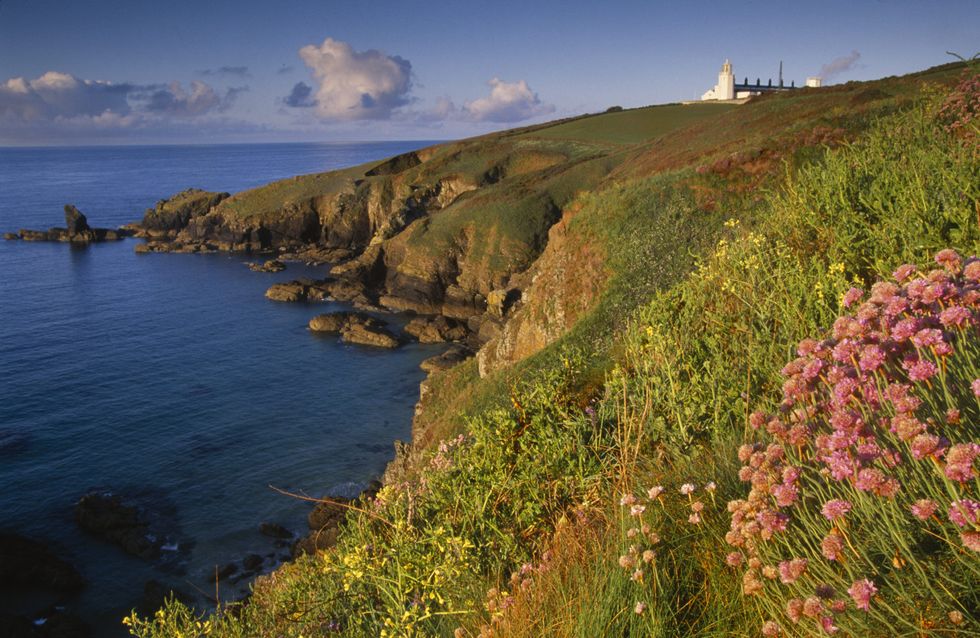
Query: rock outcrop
[437, 329]
[272, 265]
[26, 563]
[170, 216]
[76, 230]
[355, 327]
[122, 523]
[298, 290]
[452, 357]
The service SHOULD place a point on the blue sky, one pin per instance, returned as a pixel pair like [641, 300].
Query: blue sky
[113, 71]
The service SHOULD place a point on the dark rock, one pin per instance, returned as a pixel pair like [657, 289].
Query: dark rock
[275, 530]
[223, 572]
[75, 222]
[298, 290]
[28, 563]
[448, 359]
[252, 562]
[10, 236]
[355, 327]
[437, 329]
[108, 516]
[272, 265]
[50, 623]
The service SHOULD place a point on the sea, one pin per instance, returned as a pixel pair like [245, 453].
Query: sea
[170, 380]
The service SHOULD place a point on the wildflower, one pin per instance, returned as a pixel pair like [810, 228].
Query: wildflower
[972, 270]
[654, 492]
[710, 486]
[697, 506]
[903, 272]
[653, 538]
[637, 575]
[964, 512]
[852, 296]
[924, 445]
[959, 461]
[949, 260]
[920, 369]
[626, 562]
[640, 608]
[649, 555]
[956, 616]
[770, 572]
[924, 508]
[971, 540]
[687, 489]
[636, 510]
[812, 607]
[872, 357]
[827, 624]
[975, 386]
[627, 499]
[770, 629]
[861, 592]
[791, 570]
[734, 559]
[836, 508]
[794, 609]
[751, 584]
[632, 532]
[832, 546]
[954, 316]
[694, 518]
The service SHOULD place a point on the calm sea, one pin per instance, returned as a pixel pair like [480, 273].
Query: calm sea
[171, 378]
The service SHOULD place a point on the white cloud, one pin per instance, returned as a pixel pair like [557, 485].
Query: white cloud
[839, 65]
[60, 104]
[365, 85]
[507, 102]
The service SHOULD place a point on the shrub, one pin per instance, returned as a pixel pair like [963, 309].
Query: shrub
[863, 512]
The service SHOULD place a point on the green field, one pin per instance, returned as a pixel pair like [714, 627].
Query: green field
[632, 126]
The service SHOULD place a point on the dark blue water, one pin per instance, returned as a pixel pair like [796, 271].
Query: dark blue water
[171, 377]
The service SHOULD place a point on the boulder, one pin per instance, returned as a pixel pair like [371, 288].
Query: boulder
[28, 563]
[275, 530]
[448, 359]
[437, 329]
[107, 515]
[298, 290]
[252, 562]
[355, 327]
[366, 335]
[272, 265]
[11, 236]
[75, 222]
[223, 572]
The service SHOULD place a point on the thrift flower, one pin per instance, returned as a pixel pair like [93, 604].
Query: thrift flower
[964, 512]
[836, 508]
[640, 608]
[687, 489]
[654, 492]
[861, 593]
[924, 508]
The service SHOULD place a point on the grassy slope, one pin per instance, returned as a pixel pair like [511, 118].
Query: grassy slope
[423, 560]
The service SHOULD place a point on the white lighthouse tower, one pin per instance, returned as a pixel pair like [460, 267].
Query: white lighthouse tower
[725, 89]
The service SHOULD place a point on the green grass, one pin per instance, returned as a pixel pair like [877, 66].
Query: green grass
[631, 126]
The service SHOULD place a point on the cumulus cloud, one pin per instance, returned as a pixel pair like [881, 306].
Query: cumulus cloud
[356, 85]
[227, 71]
[507, 102]
[60, 101]
[301, 96]
[57, 94]
[840, 65]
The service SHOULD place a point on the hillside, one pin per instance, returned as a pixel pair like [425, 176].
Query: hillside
[635, 283]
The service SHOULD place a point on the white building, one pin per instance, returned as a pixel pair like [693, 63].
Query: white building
[728, 89]
[725, 89]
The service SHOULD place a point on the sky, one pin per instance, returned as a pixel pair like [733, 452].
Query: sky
[217, 71]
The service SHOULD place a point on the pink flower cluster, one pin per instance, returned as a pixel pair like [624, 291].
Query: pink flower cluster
[852, 414]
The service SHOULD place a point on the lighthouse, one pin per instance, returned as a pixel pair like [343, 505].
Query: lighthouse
[725, 89]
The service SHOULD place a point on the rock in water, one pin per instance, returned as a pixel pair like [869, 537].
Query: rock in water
[106, 515]
[75, 221]
[28, 563]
